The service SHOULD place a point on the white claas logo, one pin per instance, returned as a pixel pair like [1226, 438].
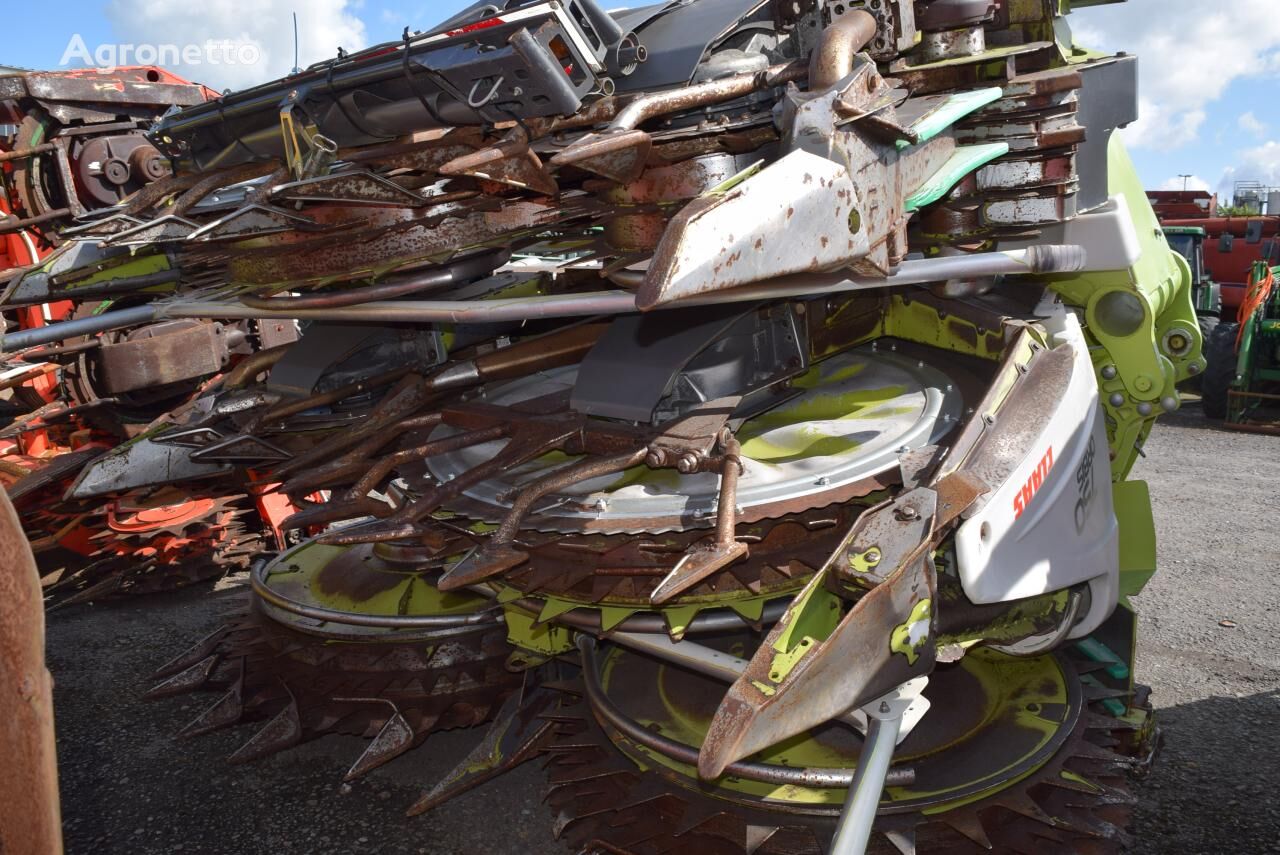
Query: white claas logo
[1029, 489]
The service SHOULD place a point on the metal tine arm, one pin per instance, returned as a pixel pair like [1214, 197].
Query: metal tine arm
[352, 463]
[459, 441]
[498, 553]
[521, 449]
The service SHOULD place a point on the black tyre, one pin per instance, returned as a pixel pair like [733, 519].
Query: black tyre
[1208, 323]
[1220, 373]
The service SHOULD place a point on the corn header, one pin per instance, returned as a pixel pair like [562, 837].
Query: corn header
[733, 400]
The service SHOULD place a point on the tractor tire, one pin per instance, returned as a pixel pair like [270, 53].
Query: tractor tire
[1220, 373]
[1207, 324]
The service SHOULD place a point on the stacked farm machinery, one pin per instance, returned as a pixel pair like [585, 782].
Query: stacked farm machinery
[80, 147]
[732, 400]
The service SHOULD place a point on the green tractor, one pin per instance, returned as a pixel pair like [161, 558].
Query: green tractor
[1242, 382]
[1206, 295]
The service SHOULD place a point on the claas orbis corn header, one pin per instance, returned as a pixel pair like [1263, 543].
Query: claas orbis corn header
[731, 400]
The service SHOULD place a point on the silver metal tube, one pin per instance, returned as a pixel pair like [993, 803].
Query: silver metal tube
[863, 800]
[21, 340]
[1036, 259]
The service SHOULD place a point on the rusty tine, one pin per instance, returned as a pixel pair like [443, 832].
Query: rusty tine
[703, 560]
[332, 397]
[214, 181]
[405, 398]
[727, 511]
[521, 449]
[440, 446]
[354, 461]
[335, 511]
[497, 555]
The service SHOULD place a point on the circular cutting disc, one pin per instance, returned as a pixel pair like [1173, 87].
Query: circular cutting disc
[849, 420]
[373, 580]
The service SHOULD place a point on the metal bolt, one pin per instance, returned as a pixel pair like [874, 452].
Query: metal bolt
[872, 557]
[688, 463]
[1117, 400]
[823, 481]
[1169, 403]
[1144, 409]
[602, 504]
[657, 458]
[906, 513]
[1109, 372]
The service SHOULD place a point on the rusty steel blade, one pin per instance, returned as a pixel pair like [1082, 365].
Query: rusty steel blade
[883, 641]
[394, 738]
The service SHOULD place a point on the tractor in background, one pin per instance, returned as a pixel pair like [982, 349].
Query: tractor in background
[1242, 382]
[1206, 294]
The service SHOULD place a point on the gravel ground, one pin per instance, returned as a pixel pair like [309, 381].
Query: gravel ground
[129, 786]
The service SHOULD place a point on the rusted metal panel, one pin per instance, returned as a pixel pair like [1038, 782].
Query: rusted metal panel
[163, 353]
[30, 822]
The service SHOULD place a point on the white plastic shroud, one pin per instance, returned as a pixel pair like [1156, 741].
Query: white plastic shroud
[1052, 524]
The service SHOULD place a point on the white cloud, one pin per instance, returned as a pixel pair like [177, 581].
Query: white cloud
[1261, 163]
[1251, 123]
[1186, 58]
[267, 25]
[1194, 182]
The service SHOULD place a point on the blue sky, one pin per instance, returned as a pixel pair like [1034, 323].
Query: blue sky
[1206, 77]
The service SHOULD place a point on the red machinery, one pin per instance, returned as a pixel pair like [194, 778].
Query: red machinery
[1231, 246]
[1183, 204]
[80, 147]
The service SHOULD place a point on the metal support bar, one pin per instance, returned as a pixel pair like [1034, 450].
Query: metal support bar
[1039, 259]
[863, 801]
[21, 153]
[1034, 260]
[15, 341]
[14, 224]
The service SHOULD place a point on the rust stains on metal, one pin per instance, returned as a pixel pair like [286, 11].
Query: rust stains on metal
[29, 813]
